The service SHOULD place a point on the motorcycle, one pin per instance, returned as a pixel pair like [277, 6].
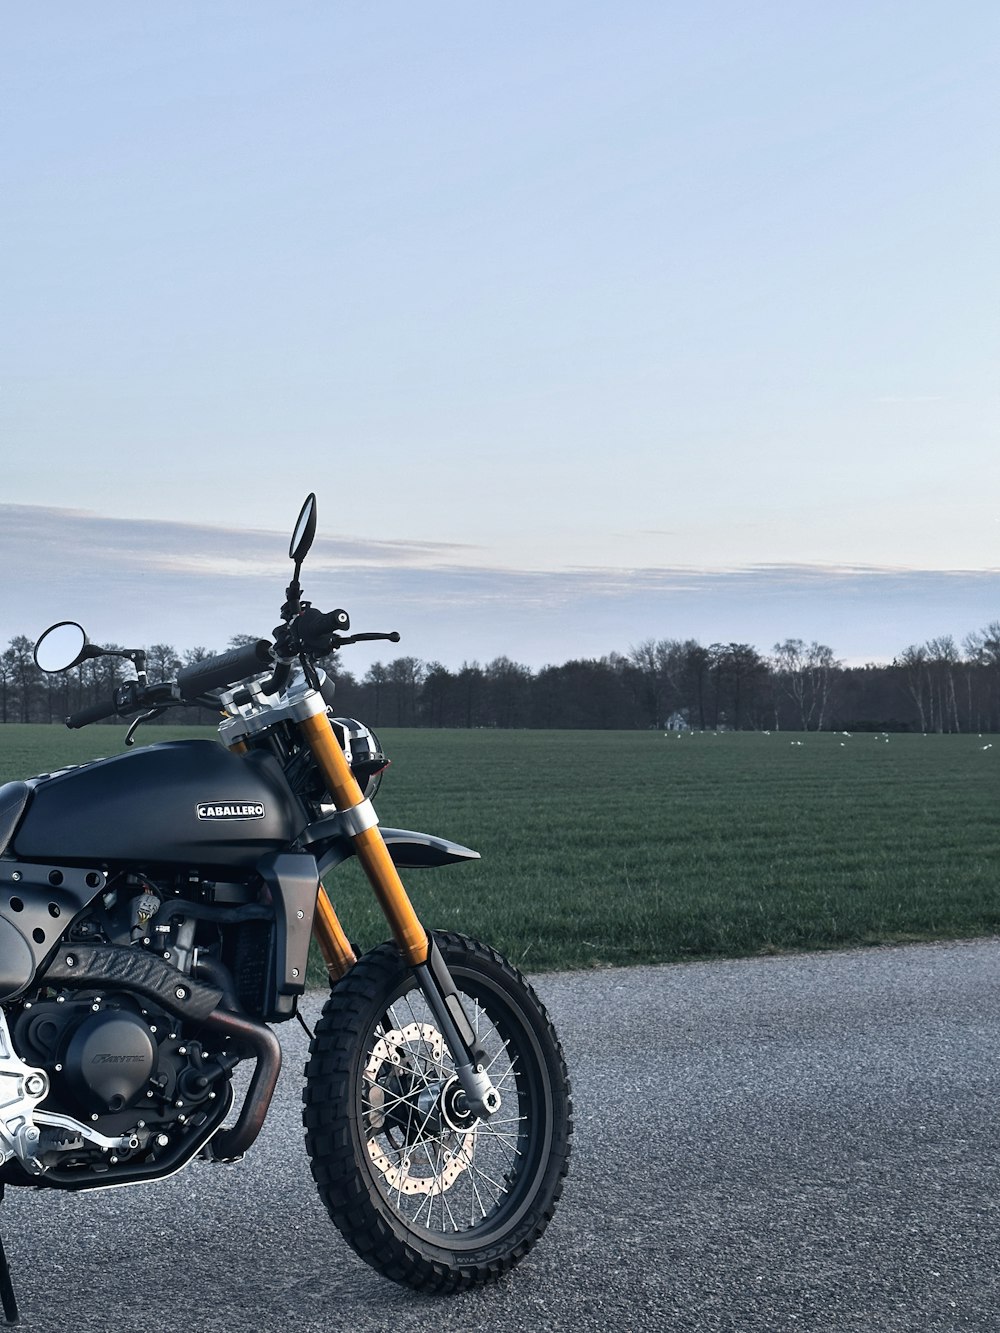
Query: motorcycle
[156, 913]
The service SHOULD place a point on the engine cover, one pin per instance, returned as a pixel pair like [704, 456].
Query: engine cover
[110, 1057]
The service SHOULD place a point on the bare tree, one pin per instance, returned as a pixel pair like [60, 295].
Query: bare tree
[405, 676]
[25, 673]
[737, 671]
[376, 678]
[806, 675]
[942, 659]
[472, 689]
[659, 667]
[509, 685]
[982, 650]
[913, 660]
[6, 680]
[162, 662]
[197, 654]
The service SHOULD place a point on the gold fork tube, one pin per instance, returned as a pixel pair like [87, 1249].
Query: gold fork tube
[329, 933]
[370, 847]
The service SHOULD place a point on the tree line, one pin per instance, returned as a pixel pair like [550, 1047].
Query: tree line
[935, 686]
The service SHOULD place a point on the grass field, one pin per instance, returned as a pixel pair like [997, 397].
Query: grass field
[611, 848]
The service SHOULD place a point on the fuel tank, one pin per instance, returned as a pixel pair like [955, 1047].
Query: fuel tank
[188, 803]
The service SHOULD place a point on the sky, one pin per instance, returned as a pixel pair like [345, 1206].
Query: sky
[586, 323]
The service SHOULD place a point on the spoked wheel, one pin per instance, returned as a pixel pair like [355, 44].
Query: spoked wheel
[424, 1190]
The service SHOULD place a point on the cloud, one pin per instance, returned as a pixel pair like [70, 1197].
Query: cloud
[140, 582]
[51, 538]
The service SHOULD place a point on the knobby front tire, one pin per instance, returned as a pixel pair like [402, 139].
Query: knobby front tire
[422, 1190]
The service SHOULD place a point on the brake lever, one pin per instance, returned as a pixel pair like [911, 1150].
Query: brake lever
[143, 717]
[393, 637]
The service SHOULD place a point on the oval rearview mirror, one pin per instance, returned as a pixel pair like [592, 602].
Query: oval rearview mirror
[305, 531]
[61, 646]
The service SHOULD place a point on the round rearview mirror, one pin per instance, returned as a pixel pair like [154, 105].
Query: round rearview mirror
[61, 646]
[305, 531]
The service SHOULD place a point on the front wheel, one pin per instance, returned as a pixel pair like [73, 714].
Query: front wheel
[423, 1190]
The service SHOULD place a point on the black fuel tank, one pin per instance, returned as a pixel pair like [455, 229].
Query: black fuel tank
[191, 803]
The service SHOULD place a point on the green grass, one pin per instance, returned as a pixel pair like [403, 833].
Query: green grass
[611, 847]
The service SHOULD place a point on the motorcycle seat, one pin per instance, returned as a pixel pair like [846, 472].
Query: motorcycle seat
[14, 796]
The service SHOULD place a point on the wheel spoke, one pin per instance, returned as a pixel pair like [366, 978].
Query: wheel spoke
[478, 1198]
[498, 1136]
[502, 1051]
[446, 1205]
[508, 1120]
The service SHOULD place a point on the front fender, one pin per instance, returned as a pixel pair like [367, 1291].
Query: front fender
[409, 850]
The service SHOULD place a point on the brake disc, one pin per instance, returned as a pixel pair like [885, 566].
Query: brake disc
[443, 1155]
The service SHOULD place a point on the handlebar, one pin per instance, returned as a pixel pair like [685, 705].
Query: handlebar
[312, 633]
[215, 673]
[129, 697]
[93, 713]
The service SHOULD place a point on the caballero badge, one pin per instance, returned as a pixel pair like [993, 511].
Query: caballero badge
[230, 810]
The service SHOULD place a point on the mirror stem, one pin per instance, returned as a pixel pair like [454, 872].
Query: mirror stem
[293, 597]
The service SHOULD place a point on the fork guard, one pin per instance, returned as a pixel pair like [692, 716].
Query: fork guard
[408, 849]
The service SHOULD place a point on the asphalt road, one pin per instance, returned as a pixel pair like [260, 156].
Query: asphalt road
[794, 1143]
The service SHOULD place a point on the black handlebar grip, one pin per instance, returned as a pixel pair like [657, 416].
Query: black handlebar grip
[92, 714]
[215, 673]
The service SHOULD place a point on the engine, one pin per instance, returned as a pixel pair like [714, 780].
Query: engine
[123, 1071]
[118, 1082]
